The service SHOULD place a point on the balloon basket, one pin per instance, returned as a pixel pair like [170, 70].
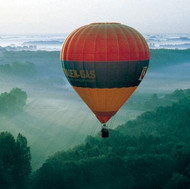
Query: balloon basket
[104, 131]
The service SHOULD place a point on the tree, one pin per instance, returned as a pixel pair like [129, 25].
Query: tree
[19, 97]
[178, 181]
[7, 158]
[15, 159]
[13, 102]
[22, 166]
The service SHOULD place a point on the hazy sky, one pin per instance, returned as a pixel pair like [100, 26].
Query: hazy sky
[62, 16]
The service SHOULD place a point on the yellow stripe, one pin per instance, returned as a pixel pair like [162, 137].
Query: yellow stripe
[104, 100]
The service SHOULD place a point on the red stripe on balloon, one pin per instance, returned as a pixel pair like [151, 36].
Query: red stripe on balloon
[103, 117]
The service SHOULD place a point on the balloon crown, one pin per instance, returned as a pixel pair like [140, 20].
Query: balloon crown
[105, 23]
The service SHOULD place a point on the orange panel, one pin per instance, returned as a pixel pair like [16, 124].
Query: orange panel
[104, 100]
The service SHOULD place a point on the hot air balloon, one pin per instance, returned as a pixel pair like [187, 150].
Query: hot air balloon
[104, 63]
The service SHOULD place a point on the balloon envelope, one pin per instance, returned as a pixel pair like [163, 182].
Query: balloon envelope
[104, 63]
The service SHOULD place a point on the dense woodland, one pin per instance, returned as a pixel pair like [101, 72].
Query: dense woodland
[15, 159]
[18, 69]
[152, 151]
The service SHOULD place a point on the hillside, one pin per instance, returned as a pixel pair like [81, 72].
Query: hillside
[173, 119]
[152, 151]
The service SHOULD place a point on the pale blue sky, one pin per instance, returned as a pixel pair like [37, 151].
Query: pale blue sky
[62, 16]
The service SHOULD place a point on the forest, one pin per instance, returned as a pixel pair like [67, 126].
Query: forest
[152, 151]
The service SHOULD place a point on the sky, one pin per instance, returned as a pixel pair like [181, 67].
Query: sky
[63, 16]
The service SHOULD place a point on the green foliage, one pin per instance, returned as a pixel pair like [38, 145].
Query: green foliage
[144, 171]
[12, 102]
[171, 119]
[150, 152]
[178, 181]
[30, 63]
[152, 101]
[22, 166]
[14, 161]
[18, 69]
[165, 57]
